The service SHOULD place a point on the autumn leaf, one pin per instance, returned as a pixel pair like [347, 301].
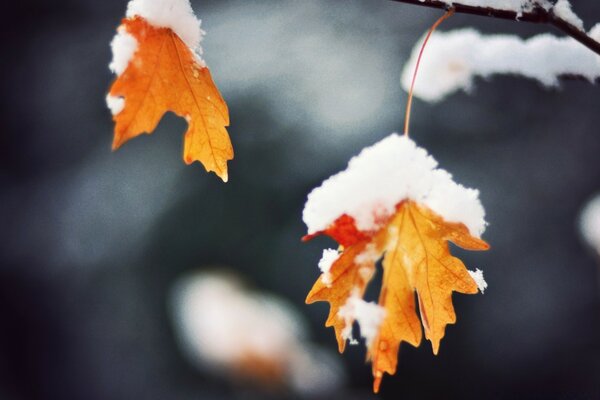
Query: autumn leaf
[412, 241]
[347, 276]
[416, 258]
[164, 74]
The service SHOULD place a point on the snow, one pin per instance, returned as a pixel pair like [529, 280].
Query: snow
[115, 104]
[589, 223]
[477, 276]
[315, 372]
[225, 322]
[383, 175]
[453, 59]
[368, 256]
[368, 315]
[221, 326]
[123, 48]
[517, 6]
[174, 14]
[329, 257]
[594, 33]
[562, 9]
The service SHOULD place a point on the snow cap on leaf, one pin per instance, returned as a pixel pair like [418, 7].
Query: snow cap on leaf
[382, 176]
[174, 14]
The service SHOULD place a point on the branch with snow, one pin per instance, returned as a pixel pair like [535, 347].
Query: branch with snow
[560, 15]
[453, 59]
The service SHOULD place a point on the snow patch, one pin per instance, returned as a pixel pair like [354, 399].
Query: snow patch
[383, 175]
[589, 223]
[517, 6]
[115, 104]
[453, 59]
[368, 315]
[368, 256]
[174, 14]
[329, 257]
[477, 276]
[123, 48]
[594, 33]
[562, 9]
[221, 326]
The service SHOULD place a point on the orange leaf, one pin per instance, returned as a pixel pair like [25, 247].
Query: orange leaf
[165, 75]
[416, 258]
[346, 276]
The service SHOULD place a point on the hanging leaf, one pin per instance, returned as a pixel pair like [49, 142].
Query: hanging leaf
[410, 237]
[164, 74]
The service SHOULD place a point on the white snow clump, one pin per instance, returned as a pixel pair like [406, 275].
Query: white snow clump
[477, 276]
[115, 104]
[368, 315]
[329, 257]
[589, 223]
[223, 327]
[174, 14]
[383, 175]
[123, 48]
[562, 9]
[594, 33]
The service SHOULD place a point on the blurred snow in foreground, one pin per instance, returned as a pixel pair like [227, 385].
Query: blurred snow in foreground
[248, 336]
[589, 223]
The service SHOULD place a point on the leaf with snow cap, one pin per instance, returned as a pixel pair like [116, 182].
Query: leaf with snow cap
[407, 220]
[159, 70]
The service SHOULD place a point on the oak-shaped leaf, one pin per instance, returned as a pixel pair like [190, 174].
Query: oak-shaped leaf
[164, 74]
[410, 237]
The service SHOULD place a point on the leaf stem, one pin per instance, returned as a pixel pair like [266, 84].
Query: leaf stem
[448, 14]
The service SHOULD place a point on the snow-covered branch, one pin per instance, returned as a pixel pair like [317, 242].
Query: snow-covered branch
[453, 59]
[557, 14]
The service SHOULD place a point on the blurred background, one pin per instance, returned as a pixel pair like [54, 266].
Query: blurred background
[94, 242]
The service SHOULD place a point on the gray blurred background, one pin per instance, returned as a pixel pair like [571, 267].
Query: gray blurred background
[93, 240]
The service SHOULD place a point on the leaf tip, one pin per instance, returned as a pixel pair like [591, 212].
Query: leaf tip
[310, 236]
[221, 171]
[341, 343]
[485, 246]
[377, 377]
[116, 143]
[309, 299]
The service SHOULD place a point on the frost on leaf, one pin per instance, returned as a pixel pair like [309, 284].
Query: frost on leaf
[411, 238]
[159, 72]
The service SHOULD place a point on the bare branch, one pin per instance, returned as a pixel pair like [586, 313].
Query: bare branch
[537, 15]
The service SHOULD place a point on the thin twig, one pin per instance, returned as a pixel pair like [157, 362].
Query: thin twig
[537, 15]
